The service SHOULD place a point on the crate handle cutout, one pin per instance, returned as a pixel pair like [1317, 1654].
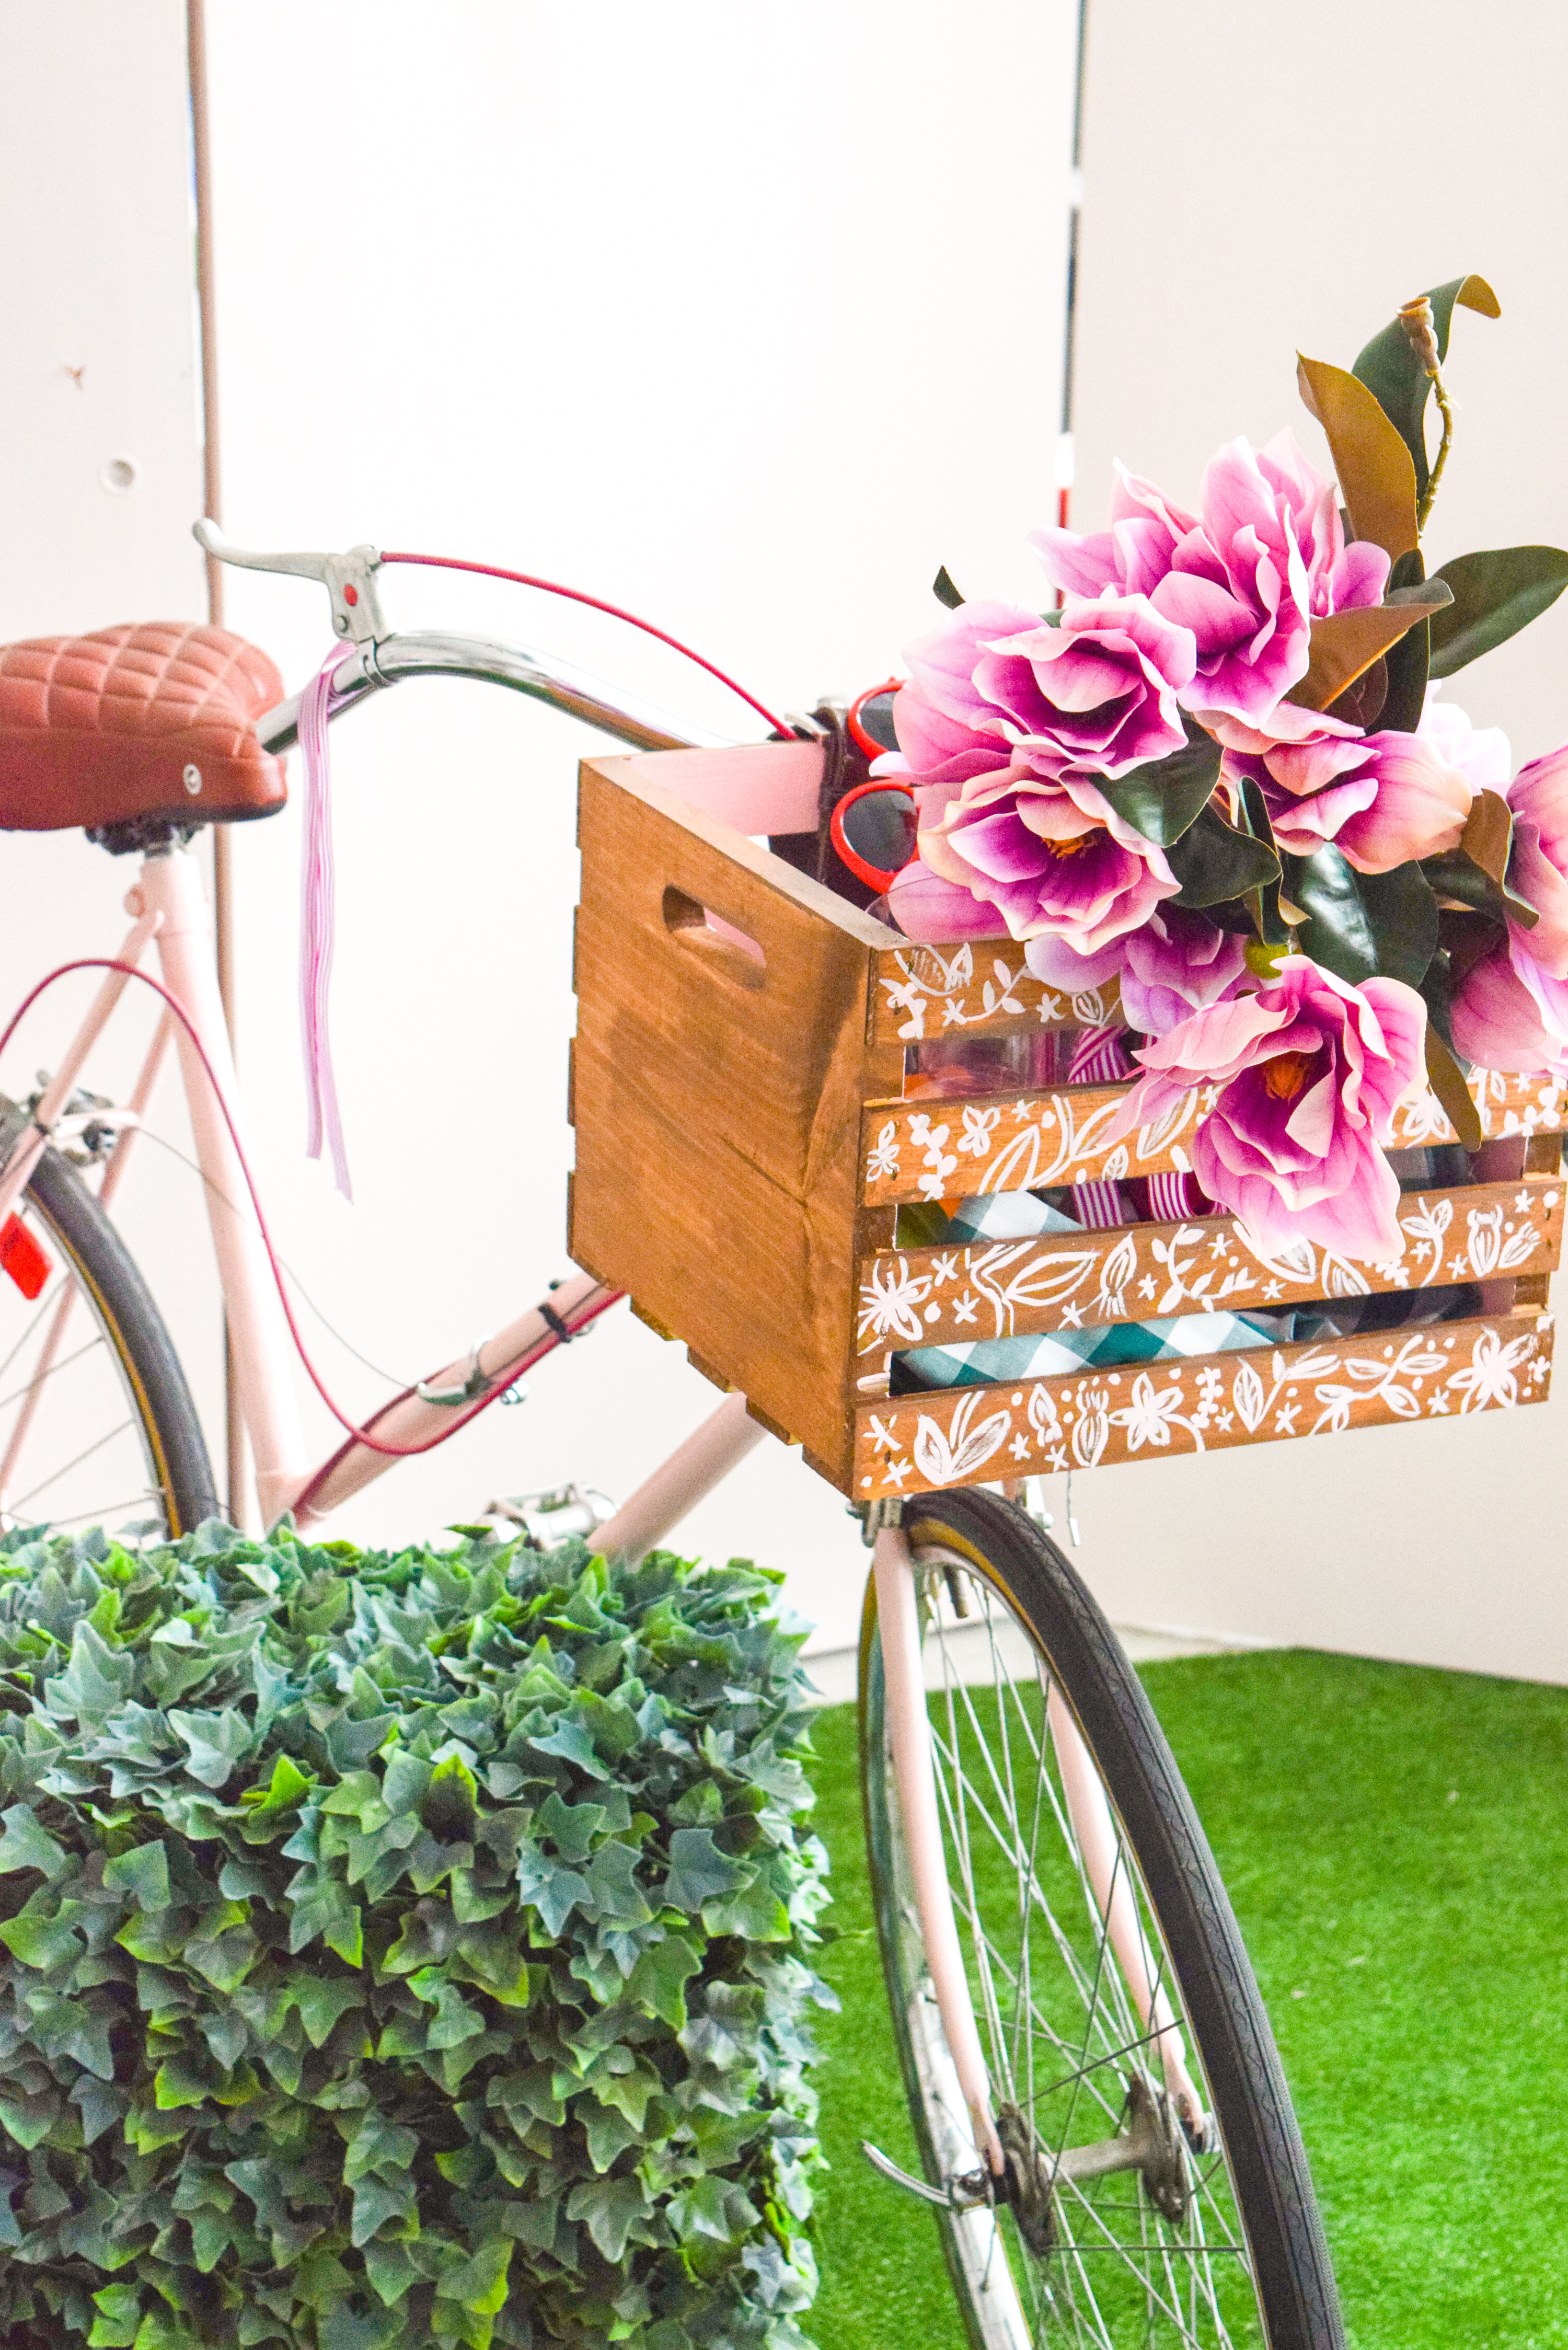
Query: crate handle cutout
[726, 949]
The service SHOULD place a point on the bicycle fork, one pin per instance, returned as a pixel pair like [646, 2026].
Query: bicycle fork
[1109, 1888]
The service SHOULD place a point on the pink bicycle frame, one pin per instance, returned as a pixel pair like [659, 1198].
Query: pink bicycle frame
[168, 911]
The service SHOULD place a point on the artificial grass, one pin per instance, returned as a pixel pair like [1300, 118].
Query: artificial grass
[1395, 1843]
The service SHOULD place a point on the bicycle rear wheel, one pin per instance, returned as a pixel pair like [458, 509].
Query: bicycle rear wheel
[97, 1422]
[1156, 2189]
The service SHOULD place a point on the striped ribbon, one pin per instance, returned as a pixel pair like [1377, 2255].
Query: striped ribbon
[317, 925]
[1099, 1057]
[1099, 1205]
[1172, 1197]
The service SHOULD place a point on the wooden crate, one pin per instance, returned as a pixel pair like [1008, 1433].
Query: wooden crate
[743, 1143]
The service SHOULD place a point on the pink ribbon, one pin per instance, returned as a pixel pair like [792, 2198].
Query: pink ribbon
[322, 1117]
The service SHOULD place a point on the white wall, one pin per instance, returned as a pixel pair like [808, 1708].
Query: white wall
[748, 319]
[1261, 181]
[97, 365]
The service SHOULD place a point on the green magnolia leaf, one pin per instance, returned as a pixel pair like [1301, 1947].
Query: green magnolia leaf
[1405, 666]
[1213, 863]
[1377, 477]
[1393, 374]
[1496, 594]
[1447, 1080]
[1402, 916]
[1360, 924]
[1477, 871]
[1344, 644]
[944, 591]
[1163, 798]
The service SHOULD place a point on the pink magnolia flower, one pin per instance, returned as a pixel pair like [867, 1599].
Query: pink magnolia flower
[1247, 573]
[935, 911]
[1054, 856]
[1095, 687]
[1508, 1012]
[1382, 798]
[1539, 798]
[1177, 963]
[946, 731]
[1511, 1010]
[1309, 1071]
[1481, 753]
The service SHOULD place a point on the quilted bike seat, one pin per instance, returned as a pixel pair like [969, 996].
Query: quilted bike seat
[134, 726]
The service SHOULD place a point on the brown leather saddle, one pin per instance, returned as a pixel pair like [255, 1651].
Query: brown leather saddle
[132, 729]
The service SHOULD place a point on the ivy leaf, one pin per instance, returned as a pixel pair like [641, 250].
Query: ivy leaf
[699, 1871]
[1495, 594]
[1376, 475]
[283, 1791]
[26, 1844]
[1394, 376]
[143, 1873]
[611, 2207]
[377, 2201]
[216, 1743]
[1213, 863]
[658, 1982]
[378, 2147]
[711, 2206]
[1165, 797]
[40, 1941]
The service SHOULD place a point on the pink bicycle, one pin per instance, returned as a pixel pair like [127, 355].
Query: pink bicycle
[1097, 2116]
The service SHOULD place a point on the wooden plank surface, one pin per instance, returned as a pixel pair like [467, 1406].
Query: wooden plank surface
[964, 1436]
[717, 1098]
[935, 1148]
[979, 989]
[948, 1295]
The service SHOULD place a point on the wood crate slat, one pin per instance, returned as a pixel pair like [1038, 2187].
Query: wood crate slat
[1092, 1418]
[717, 1100]
[950, 1293]
[936, 1148]
[983, 989]
[743, 1144]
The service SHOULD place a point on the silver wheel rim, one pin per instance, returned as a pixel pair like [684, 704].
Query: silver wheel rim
[1062, 2038]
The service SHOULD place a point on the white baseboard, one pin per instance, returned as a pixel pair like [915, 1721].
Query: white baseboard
[833, 1672]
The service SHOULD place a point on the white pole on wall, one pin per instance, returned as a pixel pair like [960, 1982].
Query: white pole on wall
[212, 505]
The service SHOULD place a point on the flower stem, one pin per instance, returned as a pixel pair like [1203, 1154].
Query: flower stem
[1445, 411]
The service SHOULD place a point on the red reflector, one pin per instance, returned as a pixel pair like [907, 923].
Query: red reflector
[22, 1258]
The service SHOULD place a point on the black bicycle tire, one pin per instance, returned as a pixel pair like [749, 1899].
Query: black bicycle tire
[1298, 2299]
[123, 1305]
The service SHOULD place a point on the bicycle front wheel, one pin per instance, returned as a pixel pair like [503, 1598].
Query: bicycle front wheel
[97, 1422]
[1156, 2191]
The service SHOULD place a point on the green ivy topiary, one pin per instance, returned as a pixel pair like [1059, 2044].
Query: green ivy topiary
[401, 1947]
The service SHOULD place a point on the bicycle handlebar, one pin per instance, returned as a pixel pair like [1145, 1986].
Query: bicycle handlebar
[428, 653]
[383, 658]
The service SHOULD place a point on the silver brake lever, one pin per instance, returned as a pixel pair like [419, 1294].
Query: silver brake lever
[349, 579]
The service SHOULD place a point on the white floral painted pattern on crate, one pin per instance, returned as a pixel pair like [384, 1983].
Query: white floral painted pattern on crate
[1060, 1281]
[922, 991]
[1036, 1139]
[924, 1442]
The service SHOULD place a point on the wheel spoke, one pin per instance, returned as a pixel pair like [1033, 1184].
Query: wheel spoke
[1076, 2047]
